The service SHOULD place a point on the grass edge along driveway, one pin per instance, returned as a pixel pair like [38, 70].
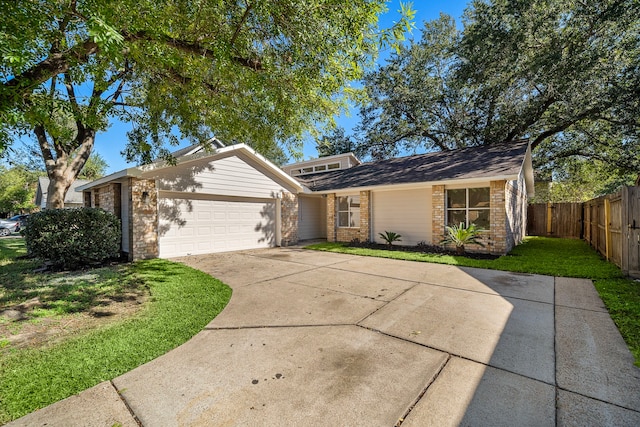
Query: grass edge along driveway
[183, 301]
[548, 256]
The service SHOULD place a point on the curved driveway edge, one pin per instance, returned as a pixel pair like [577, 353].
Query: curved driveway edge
[314, 338]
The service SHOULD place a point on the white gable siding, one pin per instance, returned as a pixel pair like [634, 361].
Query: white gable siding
[406, 212]
[229, 176]
[312, 218]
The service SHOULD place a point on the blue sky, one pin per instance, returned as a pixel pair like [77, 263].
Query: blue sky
[110, 143]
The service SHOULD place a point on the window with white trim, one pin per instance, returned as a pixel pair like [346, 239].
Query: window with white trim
[469, 206]
[348, 211]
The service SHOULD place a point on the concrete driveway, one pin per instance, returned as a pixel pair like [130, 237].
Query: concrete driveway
[313, 338]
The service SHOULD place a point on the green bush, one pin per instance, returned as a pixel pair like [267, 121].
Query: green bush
[73, 238]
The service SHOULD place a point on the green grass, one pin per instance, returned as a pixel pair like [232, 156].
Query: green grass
[182, 302]
[548, 256]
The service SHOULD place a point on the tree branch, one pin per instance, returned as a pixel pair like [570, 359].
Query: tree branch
[72, 95]
[45, 148]
[191, 47]
[56, 63]
[562, 126]
[239, 27]
[60, 62]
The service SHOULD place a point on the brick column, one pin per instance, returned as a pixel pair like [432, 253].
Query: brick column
[438, 217]
[331, 217]
[289, 218]
[143, 219]
[498, 217]
[365, 229]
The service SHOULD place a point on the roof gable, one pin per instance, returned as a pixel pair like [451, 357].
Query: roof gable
[158, 168]
[504, 161]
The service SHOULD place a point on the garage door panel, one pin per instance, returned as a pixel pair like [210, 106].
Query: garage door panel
[206, 226]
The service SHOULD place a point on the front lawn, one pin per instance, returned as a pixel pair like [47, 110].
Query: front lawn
[548, 256]
[178, 302]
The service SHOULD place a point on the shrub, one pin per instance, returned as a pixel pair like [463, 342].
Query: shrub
[73, 238]
[460, 235]
[389, 237]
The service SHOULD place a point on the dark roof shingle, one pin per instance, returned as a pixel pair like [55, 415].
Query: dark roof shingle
[504, 159]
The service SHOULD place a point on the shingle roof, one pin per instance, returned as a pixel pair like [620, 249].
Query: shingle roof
[196, 148]
[504, 159]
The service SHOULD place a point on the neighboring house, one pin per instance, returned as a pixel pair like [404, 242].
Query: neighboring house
[72, 199]
[235, 199]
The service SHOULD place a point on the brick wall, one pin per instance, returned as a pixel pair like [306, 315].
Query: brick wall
[106, 198]
[347, 234]
[365, 226]
[331, 217]
[289, 216]
[143, 217]
[109, 198]
[438, 215]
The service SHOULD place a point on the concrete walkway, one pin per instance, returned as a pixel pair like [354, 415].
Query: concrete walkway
[315, 339]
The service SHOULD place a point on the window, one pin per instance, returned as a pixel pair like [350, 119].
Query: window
[307, 170]
[295, 172]
[349, 211]
[469, 206]
[320, 168]
[333, 166]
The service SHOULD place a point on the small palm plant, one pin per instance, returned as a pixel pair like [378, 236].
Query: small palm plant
[459, 235]
[390, 237]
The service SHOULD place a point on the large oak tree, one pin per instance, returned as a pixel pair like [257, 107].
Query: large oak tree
[262, 72]
[563, 73]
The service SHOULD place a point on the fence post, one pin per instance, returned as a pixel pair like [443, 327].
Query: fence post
[607, 231]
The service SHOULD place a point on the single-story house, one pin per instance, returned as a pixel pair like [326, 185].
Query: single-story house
[72, 199]
[233, 199]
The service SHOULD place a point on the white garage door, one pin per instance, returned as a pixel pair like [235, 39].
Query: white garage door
[190, 227]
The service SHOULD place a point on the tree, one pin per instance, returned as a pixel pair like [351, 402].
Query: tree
[95, 167]
[258, 72]
[334, 143]
[562, 73]
[17, 189]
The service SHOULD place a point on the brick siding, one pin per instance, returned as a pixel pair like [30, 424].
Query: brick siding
[331, 218]
[143, 217]
[498, 218]
[289, 217]
[438, 215]
[347, 234]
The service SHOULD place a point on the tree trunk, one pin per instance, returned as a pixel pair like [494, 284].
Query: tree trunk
[57, 191]
[64, 167]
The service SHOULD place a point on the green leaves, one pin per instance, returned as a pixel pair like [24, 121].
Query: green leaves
[106, 36]
[389, 237]
[460, 235]
[561, 73]
[264, 73]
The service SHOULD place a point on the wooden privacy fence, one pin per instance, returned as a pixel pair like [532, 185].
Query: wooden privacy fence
[555, 219]
[610, 224]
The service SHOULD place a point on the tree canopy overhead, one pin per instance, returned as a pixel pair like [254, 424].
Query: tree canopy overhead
[563, 73]
[260, 72]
